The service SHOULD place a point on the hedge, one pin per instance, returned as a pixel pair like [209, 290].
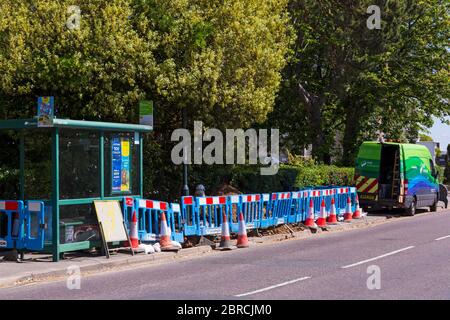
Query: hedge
[290, 177]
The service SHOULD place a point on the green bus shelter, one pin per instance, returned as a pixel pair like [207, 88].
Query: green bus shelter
[68, 166]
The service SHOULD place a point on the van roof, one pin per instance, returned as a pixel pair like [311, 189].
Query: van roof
[409, 148]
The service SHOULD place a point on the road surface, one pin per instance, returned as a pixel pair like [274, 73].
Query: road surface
[413, 257]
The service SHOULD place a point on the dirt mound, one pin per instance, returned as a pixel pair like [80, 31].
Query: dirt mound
[281, 229]
[226, 189]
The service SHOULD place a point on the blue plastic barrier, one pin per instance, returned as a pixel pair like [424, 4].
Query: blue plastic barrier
[128, 206]
[353, 197]
[11, 224]
[299, 205]
[281, 204]
[327, 195]
[342, 194]
[249, 205]
[266, 216]
[175, 222]
[316, 197]
[34, 226]
[210, 211]
[189, 216]
[234, 208]
[203, 215]
[149, 217]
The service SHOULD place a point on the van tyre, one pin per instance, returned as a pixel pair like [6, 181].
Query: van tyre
[411, 211]
[433, 208]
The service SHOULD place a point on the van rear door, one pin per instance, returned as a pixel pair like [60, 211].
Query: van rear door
[390, 171]
[367, 170]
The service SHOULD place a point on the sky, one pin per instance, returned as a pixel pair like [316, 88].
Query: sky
[441, 133]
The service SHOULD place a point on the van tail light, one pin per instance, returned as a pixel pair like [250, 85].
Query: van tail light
[405, 186]
[403, 191]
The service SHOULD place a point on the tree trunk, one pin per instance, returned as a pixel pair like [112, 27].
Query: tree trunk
[313, 105]
[351, 130]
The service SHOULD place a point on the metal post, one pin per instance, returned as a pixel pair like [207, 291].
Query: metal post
[185, 165]
[55, 194]
[22, 165]
[102, 164]
[141, 165]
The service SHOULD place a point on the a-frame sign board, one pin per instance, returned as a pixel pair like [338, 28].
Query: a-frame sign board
[111, 224]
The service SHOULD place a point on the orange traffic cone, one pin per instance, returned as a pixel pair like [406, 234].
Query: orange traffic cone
[357, 213]
[322, 220]
[332, 218]
[164, 235]
[134, 232]
[225, 243]
[242, 240]
[348, 211]
[310, 219]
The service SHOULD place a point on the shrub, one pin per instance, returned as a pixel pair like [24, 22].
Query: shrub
[290, 177]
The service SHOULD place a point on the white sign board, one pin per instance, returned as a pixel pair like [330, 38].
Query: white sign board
[109, 214]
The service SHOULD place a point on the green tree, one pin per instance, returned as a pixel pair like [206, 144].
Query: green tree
[424, 137]
[350, 83]
[221, 61]
[94, 72]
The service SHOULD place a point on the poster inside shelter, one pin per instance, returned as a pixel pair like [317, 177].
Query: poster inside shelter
[121, 168]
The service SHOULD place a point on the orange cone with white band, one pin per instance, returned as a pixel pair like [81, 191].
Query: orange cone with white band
[242, 240]
[310, 219]
[165, 234]
[322, 220]
[332, 218]
[357, 213]
[225, 243]
[348, 211]
[134, 232]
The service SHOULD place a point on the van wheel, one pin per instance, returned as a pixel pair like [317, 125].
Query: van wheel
[411, 211]
[433, 208]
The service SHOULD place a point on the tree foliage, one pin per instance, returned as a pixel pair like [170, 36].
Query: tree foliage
[349, 83]
[221, 61]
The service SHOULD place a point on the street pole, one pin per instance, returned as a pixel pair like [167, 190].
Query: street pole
[185, 165]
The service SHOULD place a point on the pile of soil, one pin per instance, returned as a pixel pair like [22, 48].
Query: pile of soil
[225, 189]
[281, 229]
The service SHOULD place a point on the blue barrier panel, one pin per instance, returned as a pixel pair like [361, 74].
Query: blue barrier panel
[305, 204]
[316, 197]
[234, 207]
[281, 206]
[341, 199]
[352, 193]
[210, 211]
[175, 222]
[190, 216]
[327, 194]
[34, 226]
[149, 218]
[127, 209]
[250, 206]
[266, 219]
[11, 224]
[298, 207]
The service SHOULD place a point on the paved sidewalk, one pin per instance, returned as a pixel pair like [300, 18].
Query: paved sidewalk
[38, 268]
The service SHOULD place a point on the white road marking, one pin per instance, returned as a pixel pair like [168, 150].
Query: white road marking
[379, 257]
[272, 287]
[442, 238]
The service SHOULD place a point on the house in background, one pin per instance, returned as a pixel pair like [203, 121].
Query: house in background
[442, 159]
